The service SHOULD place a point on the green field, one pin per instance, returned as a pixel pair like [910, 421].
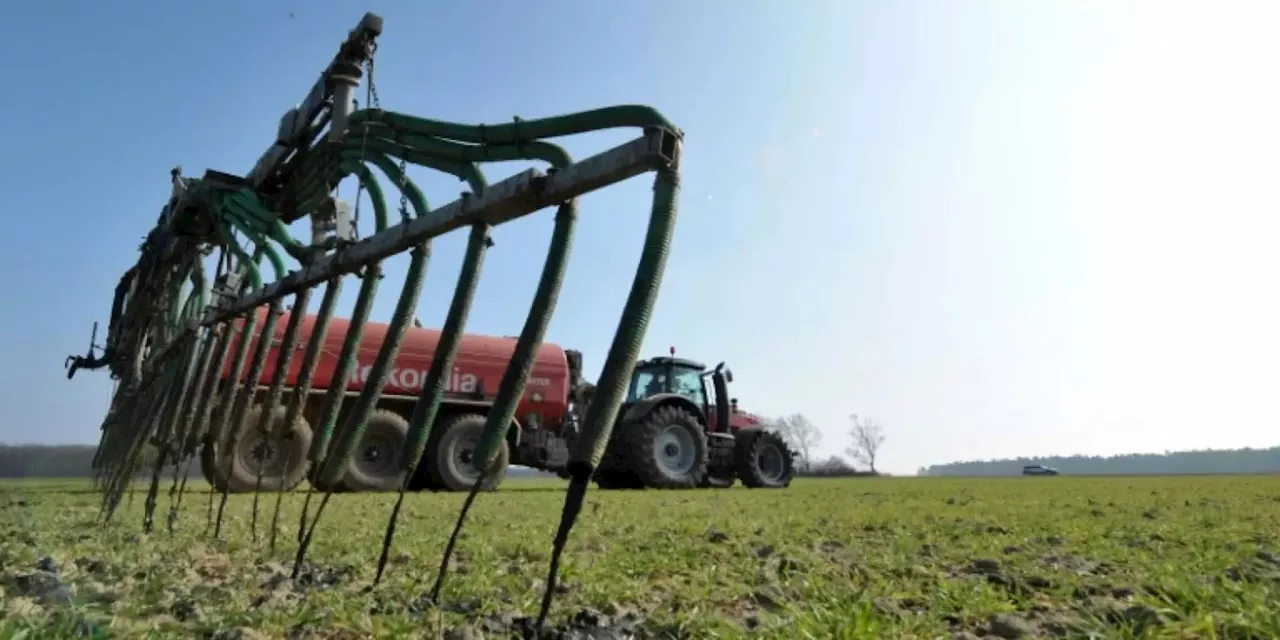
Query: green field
[1189, 557]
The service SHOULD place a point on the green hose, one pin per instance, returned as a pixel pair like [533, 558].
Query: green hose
[352, 431]
[302, 386]
[277, 263]
[147, 414]
[498, 421]
[520, 130]
[204, 405]
[618, 367]
[164, 423]
[284, 360]
[322, 431]
[510, 390]
[246, 203]
[433, 387]
[335, 464]
[217, 432]
[245, 399]
[215, 339]
[625, 350]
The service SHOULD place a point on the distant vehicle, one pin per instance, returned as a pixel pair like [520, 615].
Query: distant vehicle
[1038, 470]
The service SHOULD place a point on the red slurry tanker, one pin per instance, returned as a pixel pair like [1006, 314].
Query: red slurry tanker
[679, 427]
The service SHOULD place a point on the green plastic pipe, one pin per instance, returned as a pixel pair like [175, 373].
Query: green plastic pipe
[302, 386]
[246, 395]
[428, 405]
[602, 411]
[215, 342]
[520, 130]
[277, 263]
[433, 387]
[353, 424]
[498, 420]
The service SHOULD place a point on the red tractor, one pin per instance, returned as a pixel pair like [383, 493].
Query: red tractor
[680, 429]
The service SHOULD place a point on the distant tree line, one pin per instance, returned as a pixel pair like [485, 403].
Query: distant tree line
[1207, 461]
[64, 461]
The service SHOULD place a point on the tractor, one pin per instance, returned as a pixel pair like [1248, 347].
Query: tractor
[679, 429]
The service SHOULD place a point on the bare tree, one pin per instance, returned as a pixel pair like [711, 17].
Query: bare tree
[801, 434]
[868, 435]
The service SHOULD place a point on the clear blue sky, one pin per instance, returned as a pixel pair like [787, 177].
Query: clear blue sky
[1000, 228]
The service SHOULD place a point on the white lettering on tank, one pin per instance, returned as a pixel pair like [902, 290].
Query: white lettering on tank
[409, 379]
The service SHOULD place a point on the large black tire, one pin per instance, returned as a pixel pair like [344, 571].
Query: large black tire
[763, 460]
[282, 453]
[376, 465]
[667, 449]
[449, 460]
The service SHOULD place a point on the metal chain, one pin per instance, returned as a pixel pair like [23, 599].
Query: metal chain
[371, 100]
[372, 91]
[404, 195]
[376, 103]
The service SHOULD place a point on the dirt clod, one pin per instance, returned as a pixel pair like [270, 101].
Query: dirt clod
[1008, 626]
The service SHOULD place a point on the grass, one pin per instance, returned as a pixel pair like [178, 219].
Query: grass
[1192, 557]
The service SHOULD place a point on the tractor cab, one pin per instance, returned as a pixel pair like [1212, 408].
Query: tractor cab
[707, 389]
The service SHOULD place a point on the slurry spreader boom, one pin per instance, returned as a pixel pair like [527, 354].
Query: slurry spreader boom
[166, 350]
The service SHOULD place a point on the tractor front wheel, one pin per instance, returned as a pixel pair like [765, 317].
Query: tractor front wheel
[668, 449]
[763, 460]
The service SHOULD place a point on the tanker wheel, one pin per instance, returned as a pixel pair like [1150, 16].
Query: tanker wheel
[763, 460]
[668, 449]
[279, 456]
[376, 465]
[451, 464]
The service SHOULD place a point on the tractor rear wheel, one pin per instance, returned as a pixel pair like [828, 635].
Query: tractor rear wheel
[667, 449]
[376, 465]
[451, 465]
[279, 457]
[763, 460]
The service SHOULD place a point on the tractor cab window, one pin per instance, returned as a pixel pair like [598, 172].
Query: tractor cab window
[645, 383]
[688, 383]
